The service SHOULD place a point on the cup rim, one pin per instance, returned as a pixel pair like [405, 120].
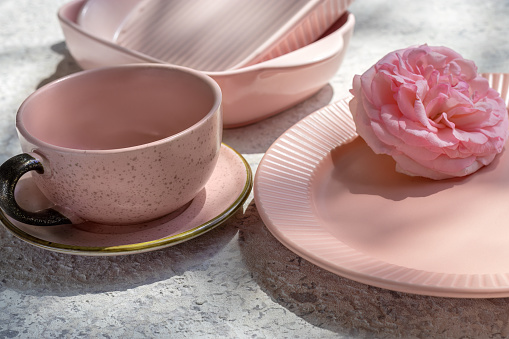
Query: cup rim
[213, 85]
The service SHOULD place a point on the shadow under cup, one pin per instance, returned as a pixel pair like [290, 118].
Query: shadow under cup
[121, 145]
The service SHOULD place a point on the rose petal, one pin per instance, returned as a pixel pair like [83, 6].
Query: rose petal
[411, 107]
[381, 90]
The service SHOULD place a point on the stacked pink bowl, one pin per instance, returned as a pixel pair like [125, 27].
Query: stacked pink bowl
[266, 55]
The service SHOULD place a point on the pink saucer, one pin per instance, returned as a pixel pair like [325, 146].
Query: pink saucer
[224, 194]
[326, 196]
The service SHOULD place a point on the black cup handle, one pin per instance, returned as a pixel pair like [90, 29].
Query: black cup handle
[10, 172]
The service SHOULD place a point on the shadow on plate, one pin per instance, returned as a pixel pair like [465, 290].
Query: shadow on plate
[33, 270]
[350, 308]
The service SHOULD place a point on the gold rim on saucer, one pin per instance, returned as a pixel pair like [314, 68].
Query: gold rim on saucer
[144, 246]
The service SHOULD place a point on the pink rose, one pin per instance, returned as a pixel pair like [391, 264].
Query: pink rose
[429, 109]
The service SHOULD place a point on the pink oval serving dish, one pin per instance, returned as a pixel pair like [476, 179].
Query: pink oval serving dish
[250, 93]
[210, 35]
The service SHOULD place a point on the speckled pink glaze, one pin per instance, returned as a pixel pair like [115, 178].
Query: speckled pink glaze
[125, 144]
[225, 192]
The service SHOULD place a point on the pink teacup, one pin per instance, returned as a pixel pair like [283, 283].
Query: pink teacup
[118, 145]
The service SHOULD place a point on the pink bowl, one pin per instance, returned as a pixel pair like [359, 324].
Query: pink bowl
[211, 36]
[250, 93]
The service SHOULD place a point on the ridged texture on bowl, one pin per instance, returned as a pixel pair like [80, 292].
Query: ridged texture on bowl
[225, 34]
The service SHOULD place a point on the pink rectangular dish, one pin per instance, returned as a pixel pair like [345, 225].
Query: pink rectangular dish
[250, 93]
[210, 35]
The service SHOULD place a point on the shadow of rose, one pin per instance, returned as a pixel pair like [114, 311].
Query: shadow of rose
[364, 172]
[354, 309]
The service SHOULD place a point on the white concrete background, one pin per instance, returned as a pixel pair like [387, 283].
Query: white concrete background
[236, 281]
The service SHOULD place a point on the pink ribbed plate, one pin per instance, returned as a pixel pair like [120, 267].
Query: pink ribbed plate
[210, 35]
[325, 195]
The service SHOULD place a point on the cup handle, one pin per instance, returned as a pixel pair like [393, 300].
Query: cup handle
[10, 172]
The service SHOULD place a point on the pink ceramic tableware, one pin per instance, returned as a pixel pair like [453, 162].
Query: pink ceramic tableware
[116, 145]
[224, 193]
[210, 35]
[250, 93]
[325, 195]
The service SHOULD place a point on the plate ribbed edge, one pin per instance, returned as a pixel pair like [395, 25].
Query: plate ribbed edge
[282, 195]
[500, 83]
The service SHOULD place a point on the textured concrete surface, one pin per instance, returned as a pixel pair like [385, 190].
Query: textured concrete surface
[237, 281]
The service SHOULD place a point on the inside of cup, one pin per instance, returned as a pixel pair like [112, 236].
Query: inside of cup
[117, 107]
